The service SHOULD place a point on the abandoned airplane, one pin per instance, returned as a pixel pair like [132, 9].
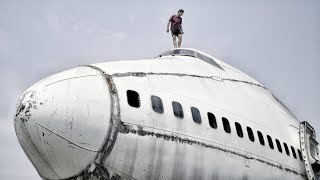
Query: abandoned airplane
[181, 115]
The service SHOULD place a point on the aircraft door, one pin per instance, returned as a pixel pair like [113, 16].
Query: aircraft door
[309, 150]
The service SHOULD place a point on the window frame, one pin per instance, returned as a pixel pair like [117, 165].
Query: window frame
[212, 121]
[278, 145]
[175, 105]
[261, 138]
[196, 116]
[270, 142]
[154, 100]
[293, 152]
[250, 134]
[300, 155]
[286, 148]
[238, 129]
[131, 97]
[226, 125]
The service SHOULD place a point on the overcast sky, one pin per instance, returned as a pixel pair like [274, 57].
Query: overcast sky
[276, 42]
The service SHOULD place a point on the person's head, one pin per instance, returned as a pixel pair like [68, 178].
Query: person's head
[180, 12]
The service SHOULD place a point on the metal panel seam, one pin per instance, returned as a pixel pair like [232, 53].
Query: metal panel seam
[115, 116]
[112, 133]
[65, 138]
[216, 78]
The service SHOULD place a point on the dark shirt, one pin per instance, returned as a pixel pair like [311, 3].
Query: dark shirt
[176, 22]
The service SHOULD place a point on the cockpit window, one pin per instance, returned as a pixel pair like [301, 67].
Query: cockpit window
[167, 53]
[208, 60]
[191, 53]
[184, 52]
[179, 52]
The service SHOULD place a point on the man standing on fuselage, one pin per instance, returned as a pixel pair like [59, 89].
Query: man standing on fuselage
[176, 28]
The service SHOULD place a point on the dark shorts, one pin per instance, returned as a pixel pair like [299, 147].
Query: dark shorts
[175, 32]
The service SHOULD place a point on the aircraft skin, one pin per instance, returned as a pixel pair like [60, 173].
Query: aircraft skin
[78, 123]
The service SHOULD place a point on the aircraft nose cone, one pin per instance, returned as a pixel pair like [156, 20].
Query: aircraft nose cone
[62, 121]
[25, 129]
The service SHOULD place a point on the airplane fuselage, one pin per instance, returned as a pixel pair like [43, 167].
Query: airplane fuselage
[171, 117]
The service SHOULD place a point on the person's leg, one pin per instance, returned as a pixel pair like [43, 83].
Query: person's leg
[180, 40]
[174, 37]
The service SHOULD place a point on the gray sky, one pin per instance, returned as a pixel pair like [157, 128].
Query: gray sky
[275, 42]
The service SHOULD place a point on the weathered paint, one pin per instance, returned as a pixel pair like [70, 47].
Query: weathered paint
[138, 130]
[55, 124]
[138, 143]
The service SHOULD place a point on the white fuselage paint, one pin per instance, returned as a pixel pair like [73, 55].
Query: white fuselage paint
[78, 123]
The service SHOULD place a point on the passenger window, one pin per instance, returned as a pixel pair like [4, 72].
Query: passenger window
[157, 105]
[286, 148]
[260, 136]
[293, 152]
[133, 98]
[279, 145]
[196, 115]
[212, 120]
[239, 129]
[226, 125]
[177, 109]
[300, 155]
[270, 142]
[250, 134]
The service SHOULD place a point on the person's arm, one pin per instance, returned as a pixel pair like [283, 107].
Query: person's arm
[169, 24]
[181, 27]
